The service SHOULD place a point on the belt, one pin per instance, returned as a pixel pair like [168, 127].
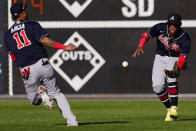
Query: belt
[44, 62]
[164, 54]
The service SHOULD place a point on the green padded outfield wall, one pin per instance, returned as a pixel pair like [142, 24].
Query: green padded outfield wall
[106, 32]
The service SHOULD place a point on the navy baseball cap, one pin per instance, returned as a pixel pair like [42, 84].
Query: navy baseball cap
[174, 18]
[17, 8]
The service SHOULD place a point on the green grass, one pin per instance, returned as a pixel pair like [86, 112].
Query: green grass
[97, 116]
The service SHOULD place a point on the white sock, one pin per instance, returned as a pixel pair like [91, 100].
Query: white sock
[64, 107]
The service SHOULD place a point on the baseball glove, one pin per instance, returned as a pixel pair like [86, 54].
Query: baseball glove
[174, 73]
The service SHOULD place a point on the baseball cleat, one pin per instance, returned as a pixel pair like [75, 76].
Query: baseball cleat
[168, 118]
[48, 102]
[72, 123]
[174, 112]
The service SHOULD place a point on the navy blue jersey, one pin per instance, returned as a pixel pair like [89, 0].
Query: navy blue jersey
[179, 45]
[23, 40]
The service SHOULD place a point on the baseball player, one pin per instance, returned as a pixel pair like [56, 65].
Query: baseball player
[24, 43]
[173, 46]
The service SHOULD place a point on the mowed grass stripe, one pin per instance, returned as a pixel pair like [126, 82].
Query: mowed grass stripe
[97, 116]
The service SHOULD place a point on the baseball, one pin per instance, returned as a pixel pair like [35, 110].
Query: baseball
[124, 63]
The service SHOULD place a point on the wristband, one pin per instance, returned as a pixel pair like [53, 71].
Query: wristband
[13, 57]
[59, 45]
[181, 61]
[144, 39]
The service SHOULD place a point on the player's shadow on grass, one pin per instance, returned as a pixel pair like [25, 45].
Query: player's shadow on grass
[107, 122]
[187, 119]
[98, 123]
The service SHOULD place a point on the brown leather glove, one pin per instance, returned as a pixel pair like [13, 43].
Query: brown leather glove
[174, 73]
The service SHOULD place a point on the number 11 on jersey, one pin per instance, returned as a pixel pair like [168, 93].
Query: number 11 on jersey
[20, 45]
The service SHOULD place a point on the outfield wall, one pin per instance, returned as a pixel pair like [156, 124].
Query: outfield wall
[1, 42]
[106, 33]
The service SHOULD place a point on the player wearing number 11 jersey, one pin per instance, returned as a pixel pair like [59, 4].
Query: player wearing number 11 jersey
[24, 42]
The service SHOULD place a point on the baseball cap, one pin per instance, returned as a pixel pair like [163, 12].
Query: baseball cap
[16, 9]
[174, 18]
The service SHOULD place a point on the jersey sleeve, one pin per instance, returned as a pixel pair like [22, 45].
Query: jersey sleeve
[39, 32]
[154, 30]
[185, 45]
[6, 45]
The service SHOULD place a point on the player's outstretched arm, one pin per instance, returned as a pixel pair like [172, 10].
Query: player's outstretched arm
[143, 40]
[51, 43]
